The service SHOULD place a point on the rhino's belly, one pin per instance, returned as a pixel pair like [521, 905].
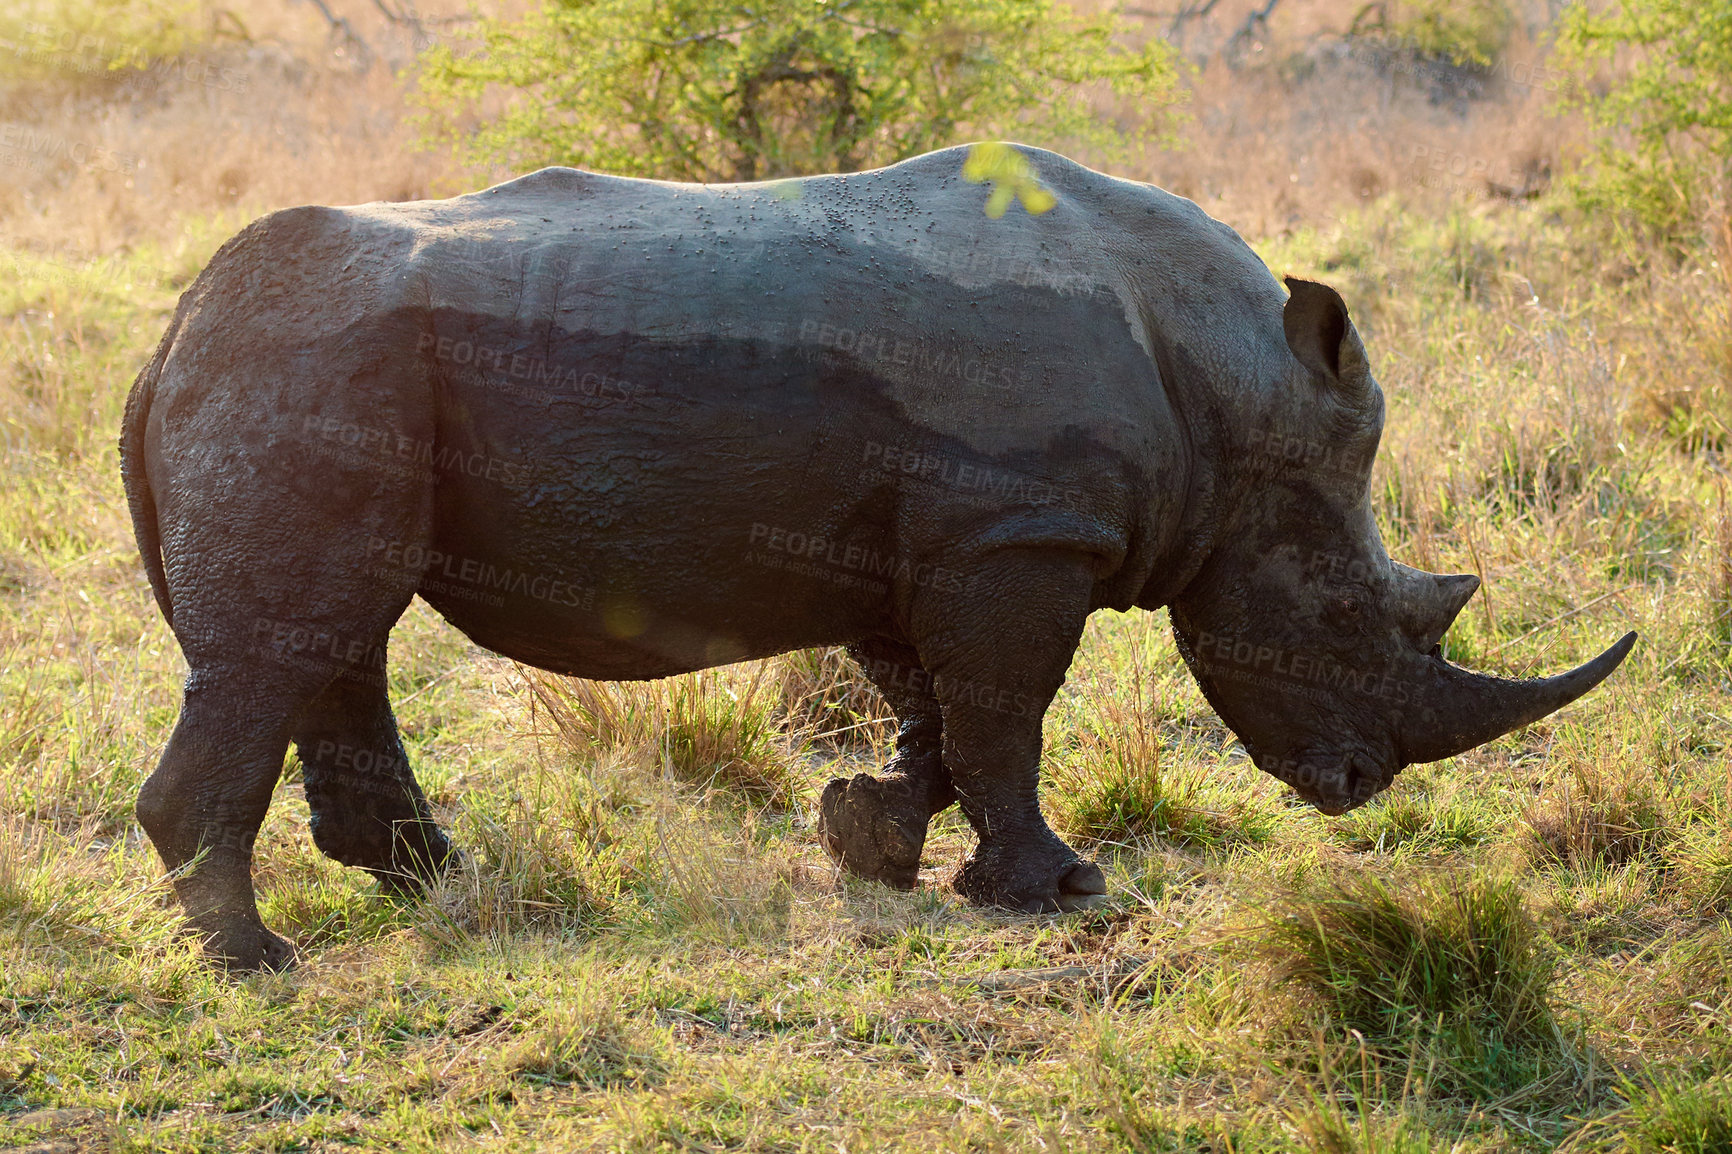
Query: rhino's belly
[648, 510]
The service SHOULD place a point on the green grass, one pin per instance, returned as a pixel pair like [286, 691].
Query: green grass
[1442, 973]
[1682, 1116]
[1520, 949]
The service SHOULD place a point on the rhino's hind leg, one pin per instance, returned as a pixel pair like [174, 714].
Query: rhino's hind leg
[368, 809]
[203, 805]
[875, 827]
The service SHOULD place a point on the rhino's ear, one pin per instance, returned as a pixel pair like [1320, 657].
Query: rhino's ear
[1323, 338]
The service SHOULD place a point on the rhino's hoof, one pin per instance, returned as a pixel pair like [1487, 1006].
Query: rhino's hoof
[249, 949]
[1070, 884]
[872, 830]
[1083, 887]
[420, 867]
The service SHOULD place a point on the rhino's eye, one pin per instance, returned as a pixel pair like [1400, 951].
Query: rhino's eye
[1350, 606]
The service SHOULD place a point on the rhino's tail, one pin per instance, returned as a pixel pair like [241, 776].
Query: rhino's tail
[133, 475]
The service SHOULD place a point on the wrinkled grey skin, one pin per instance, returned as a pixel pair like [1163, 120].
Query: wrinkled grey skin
[626, 429]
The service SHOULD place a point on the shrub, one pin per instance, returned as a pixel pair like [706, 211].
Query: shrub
[91, 39]
[1664, 124]
[1462, 32]
[718, 90]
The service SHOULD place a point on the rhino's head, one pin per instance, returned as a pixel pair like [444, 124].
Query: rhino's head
[1319, 651]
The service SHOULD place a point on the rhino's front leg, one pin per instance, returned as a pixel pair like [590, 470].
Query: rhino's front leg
[998, 652]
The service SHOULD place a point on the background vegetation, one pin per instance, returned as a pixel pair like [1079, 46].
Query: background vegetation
[1524, 948]
[708, 90]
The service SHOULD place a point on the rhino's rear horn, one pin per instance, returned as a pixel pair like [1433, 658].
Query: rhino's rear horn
[1459, 710]
[1427, 604]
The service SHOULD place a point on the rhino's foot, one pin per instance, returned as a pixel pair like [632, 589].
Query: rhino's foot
[404, 856]
[244, 945]
[1048, 879]
[874, 828]
[421, 853]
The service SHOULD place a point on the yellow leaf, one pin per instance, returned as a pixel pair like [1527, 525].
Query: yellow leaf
[1012, 178]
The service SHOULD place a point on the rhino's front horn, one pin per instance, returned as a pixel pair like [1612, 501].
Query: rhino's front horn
[1458, 710]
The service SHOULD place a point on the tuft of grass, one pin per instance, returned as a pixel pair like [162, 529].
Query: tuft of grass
[1597, 816]
[1116, 784]
[1415, 821]
[583, 1041]
[823, 693]
[1328, 1129]
[717, 889]
[555, 860]
[1704, 874]
[1720, 595]
[1440, 961]
[1682, 1116]
[719, 728]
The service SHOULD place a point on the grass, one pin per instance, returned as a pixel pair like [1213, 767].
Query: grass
[716, 728]
[1524, 948]
[1682, 1116]
[1114, 781]
[1415, 821]
[1443, 974]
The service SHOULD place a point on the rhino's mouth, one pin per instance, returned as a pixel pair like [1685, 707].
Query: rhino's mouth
[1333, 782]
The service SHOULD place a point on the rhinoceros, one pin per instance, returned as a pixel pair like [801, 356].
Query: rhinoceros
[626, 429]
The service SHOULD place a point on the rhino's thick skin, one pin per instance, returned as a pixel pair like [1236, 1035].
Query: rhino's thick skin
[627, 429]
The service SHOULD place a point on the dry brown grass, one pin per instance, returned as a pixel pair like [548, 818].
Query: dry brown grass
[1598, 814]
[717, 728]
